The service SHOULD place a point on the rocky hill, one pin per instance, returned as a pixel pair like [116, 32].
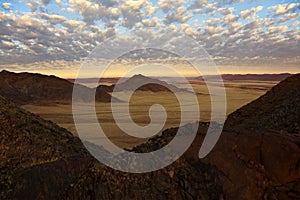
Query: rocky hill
[25, 88]
[278, 109]
[40, 160]
[155, 85]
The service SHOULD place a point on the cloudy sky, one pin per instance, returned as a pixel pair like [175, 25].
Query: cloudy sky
[241, 36]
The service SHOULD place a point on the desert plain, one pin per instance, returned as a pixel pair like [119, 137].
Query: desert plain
[238, 94]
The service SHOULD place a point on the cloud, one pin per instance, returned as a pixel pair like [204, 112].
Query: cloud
[282, 9]
[247, 13]
[213, 29]
[150, 22]
[295, 24]
[229, 2]
[180, 15]
[253, 25]
[131, 12]
[32, 5]
[7, 45]
[198, 4]
[226, 11]
[289, 16]
[234, 25]
[188, 30]
[92, 11]
[278, 29]
[35, 4]
[52, 19]
[34, 37]
[46, 2]
[211, 8]
[166, 5]
[132, 4]
[229, 18]
[150, 9]
[6, 5]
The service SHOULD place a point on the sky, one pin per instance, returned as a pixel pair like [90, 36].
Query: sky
[240, 36]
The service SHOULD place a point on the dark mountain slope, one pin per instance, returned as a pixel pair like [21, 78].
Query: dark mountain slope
[278, 109]
[25, 88]
[40, 160]
[28, 142]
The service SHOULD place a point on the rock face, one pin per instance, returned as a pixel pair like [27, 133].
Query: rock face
[278, 109]
[187, 179]
[155, 86]
[40, 160]
[253, 165]
[25, 88]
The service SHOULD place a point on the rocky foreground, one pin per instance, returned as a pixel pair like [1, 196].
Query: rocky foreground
[40, 160]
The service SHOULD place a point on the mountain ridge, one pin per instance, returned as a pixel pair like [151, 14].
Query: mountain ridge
[250, 77]
[26, 88]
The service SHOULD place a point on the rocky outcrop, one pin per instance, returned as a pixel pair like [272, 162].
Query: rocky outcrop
[254, 162]
[185, 179]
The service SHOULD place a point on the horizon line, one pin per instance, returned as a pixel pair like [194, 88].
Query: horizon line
[163, 76]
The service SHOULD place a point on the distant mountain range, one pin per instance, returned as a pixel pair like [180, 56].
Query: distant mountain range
[228, 77]
[251, 77]
[25, 88]
[155, 85]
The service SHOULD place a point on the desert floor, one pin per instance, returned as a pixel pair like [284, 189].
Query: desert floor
[238, 93]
